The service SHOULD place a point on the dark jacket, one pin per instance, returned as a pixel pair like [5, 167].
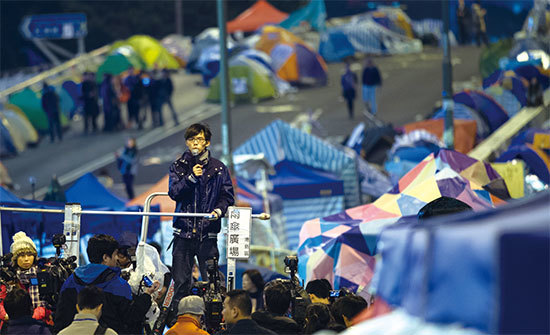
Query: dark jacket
[247, 327]
[27, 325]
[121, 312]
[371, 76]
[279, 324]
[50, 102]
[213, 190]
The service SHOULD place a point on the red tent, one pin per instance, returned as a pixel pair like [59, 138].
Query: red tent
[260, 14]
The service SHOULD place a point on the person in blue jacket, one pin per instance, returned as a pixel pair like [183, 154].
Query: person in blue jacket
[198, 183]
[121, 312]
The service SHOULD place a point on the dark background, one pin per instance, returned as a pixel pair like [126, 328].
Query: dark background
[116, 19]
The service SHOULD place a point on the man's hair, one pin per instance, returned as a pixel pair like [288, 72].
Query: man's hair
[18, 303]
[100, 245]
[241, 300]
[350, 306]
[318, 317]
[277, 298]
[319, 287]
[90, 297]
[256, 278]
[196, 129]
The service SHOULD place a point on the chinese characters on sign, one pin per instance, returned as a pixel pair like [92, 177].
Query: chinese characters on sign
[238, 235]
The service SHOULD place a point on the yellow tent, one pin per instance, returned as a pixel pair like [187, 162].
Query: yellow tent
[153, 54]
[272, 35]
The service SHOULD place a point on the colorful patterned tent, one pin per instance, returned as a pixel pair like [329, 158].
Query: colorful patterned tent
[340, 247]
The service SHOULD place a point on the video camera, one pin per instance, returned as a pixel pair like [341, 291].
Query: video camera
[300, 300]
[7, 272]
[53, 272]
[210, 292]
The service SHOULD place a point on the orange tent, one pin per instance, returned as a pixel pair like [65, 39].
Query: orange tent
[465, 131]
[260, 14]
[166, 204]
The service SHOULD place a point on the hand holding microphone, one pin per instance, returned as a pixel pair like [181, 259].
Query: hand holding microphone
[197, 170]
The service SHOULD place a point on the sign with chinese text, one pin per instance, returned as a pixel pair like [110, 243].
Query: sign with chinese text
[238, 232]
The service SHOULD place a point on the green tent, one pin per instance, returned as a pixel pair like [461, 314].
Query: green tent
[488, 62]
[30, 104]
[118, 61]
[249, 82]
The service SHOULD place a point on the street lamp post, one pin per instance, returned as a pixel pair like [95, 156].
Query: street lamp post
[448, 105]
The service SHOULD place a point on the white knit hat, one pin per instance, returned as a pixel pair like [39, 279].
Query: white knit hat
[22, 243]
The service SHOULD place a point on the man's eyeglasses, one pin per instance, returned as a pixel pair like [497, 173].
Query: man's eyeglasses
[198, 140]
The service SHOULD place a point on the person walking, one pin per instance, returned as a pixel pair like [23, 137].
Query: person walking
[349, 81]
[371, 79]
[198, 183]
[127, 164]
[50, 105]
[463, 17]
[480, 28]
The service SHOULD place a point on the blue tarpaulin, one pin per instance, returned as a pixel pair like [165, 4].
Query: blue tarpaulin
[88, 191]
[313, 13]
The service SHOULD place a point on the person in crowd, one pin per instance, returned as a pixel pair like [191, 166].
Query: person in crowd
[121, 312]
[277, 303]
[349, 82]
[198, 183]
[319, 291]
[127, 164]
[89, 304]
[167, 88]
[344, 309]
[318, 317]
[19, 306]
[190, 311]
[135, 86]
[24, 260]
[371, 79]
[480, 28]
[89, 98]
[534, 93]
[155, 98]
[50, 105]
[55, 191]
[108, 98]
[236, 313]
[253, 283]
[463, 19]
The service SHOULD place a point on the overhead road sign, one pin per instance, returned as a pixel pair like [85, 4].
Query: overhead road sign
[54, 26]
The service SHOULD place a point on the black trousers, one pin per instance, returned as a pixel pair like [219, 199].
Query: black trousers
[183, 255]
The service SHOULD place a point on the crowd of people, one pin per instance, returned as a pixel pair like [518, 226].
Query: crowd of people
[142, 92]
[97, 299]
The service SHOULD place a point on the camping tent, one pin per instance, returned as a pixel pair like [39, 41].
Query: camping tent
[340, 247]
[178, 46]
[151, 52]
[465, 131]
[492, 112]
[279, 142]
[118, 61]
[314, 13]
[19, 120]
[88, 191]
[258, 15]
[209, 37]
[249, 81]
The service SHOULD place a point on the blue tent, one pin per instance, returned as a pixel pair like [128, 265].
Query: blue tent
[335, 45]
[266, 273]
[280, 142]
[435, 268]
[88, 191]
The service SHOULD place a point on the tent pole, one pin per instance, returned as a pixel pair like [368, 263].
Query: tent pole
[448, 135]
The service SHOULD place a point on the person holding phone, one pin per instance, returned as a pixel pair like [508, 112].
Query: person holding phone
[198, 183]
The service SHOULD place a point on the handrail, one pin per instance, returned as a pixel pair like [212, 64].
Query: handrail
[35, 210]
[483, 150]
[65, 66]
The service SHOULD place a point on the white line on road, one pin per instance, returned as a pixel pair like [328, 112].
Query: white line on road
[197, 114]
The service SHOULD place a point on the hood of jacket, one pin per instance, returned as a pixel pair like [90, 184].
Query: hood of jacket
[90, 273]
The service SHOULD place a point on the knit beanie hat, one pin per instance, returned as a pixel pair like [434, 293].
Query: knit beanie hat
[22, 244]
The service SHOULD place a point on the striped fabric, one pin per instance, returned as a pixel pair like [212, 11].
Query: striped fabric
[280, 141]
[506, 99]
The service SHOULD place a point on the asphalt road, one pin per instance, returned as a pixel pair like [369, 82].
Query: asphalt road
[411, 86]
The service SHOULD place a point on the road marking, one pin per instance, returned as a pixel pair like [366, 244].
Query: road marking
[197, 114]
[278, 109]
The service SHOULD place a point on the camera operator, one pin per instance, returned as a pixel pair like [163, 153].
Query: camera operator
[319, 291]
[344, 309]
[24, 262]
[237, 307]
[277, 303]
[190, 311]
[121, 312]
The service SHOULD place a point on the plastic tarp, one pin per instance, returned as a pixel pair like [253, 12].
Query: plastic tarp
[258, 15]
[340, 247]
[434, 269]
[465, 131]
[314, 14]
[249, 81]
[29, 102]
